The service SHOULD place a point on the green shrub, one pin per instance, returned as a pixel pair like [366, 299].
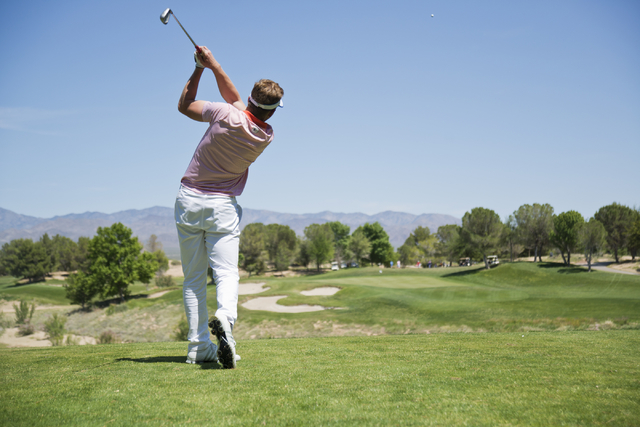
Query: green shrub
[24, 313]
[175, 262]
[4, 323]
[164, 281]
[108, 337]
[54, 327]
[71, 340]
[182, 330]
[116, 308]
[26, 329]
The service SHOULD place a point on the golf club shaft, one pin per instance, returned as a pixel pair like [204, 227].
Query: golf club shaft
[185, 31]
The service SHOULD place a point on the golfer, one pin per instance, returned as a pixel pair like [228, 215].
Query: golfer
[206, 212]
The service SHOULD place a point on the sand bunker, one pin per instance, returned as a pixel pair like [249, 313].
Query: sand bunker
[323, 292]
[271, 304]
[251, 288]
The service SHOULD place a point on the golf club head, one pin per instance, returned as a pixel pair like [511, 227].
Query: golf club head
[165, 16]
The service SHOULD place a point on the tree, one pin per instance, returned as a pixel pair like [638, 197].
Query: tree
[320, 237]
[617, 221]
[448, 245]
[65, 252]
[280, 243]
[511, 238]
[535, 223]
[592, 237]
[359, 245]
[564, 236]
[81, 258]
[252, 248]
[161, 260]
[381, 250]
[340, 240]
[634, 239]
[22, 258]
[303, 256]
[481, 232]
[419, 246]
[80, 289]
[49, 249]
[116, 261]
[153, 244]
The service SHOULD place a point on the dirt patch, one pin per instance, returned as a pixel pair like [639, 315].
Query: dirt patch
[626, 266]
[7, 307]
[174, 271]
[158, 294]
[11, 339]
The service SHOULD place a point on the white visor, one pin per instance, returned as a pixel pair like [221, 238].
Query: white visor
[266, 107]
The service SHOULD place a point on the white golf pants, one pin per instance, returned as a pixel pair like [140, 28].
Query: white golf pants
[209, 234]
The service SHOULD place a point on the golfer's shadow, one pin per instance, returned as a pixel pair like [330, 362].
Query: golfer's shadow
[168, 359]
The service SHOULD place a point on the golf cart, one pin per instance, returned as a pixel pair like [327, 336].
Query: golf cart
[493, 260]
[465, 262]
[334, 266]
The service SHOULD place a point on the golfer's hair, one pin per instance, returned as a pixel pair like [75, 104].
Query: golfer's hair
[267, 92]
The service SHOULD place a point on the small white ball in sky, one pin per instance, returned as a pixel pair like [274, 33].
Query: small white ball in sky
[432, 15]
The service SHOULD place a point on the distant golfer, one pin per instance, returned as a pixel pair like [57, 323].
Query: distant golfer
[206, 212]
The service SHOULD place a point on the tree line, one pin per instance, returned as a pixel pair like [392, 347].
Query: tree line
[279, 246]
[108, 263]
[531, 229]
[104, 265]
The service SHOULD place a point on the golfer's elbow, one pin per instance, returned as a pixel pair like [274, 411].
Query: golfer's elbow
[183, 106]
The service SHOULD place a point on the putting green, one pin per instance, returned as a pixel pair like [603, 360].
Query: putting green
[435, 288]
[391, 282]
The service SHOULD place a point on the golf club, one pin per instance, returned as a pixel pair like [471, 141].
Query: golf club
[164, 17]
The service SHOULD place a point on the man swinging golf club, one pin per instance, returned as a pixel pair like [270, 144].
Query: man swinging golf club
[206, 212]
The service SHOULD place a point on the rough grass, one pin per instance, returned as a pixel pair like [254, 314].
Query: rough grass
[568, 378]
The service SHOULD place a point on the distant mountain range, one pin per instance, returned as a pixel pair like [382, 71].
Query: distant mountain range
[159, 221]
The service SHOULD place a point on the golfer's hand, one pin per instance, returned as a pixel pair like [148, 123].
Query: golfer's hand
[206, 58]
[197, 59]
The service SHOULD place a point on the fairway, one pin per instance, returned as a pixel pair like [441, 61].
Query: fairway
[568, 378]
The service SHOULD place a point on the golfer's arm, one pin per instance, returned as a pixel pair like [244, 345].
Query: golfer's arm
[227, 88]
[187, 104]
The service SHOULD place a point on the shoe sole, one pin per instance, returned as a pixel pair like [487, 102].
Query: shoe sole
[226, 354]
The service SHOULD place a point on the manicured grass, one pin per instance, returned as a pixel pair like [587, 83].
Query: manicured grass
[511, 297]
[557, 378]
[43, 294]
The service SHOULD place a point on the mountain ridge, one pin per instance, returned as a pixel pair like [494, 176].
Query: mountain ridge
[159, 220]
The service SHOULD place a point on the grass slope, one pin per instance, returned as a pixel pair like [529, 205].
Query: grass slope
[512, 297]
[569, 378]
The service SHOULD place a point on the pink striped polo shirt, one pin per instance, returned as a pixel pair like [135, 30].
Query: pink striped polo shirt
[234, 140]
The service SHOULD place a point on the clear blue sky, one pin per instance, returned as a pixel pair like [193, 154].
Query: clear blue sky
[489, 103]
